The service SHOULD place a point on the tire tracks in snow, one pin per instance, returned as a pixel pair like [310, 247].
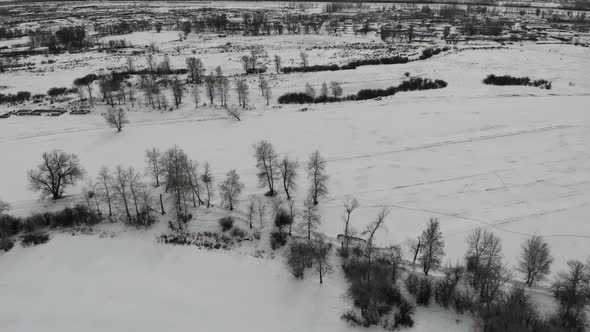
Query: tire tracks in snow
[454, 141]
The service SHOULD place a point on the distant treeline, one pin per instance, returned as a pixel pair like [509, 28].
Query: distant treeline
[510, 80]
[413, 84]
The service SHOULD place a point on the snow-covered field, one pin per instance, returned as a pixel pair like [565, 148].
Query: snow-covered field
[124, 284]
[514, 159]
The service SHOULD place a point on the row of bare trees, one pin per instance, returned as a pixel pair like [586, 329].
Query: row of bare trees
[272, 169]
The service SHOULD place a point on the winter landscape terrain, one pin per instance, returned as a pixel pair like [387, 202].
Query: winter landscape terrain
[473, 191]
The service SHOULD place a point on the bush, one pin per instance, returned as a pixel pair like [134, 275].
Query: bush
[403, 316]
[238, 233]
[277, 239]
[413, 284]
[295, 98]
[421, 288]
[510, 80]
[226, 223]
[9, 225]
[6, 244]
[299, 258]
[425, 292]
[34, 239]
[283, 218]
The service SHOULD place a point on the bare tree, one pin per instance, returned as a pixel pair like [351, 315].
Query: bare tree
[130, 63]
[176, 175]
[207, 178]
[321, 253]
[304, 58]
[572, 291]
[251, 210]
[116, 118]
[267, 164]
[484, 253]
[262, 83]
[153, 164]
[336, 89]
[292, 213]
[194, 181]
[233, 112]
[324, 90]
[134, 187]
[119, 185]
[55, 173]
[311, 217]
[433, 249]
[371, 230]
[309, 90]
[105, 179]
[242, 89]
[177, 91]
[210, 87]
[261, 211]
[196, 70]
[231, 189]
[267, 94]
[288, 168]
[535, 259]
[350, 205]
[277, 61]
[196, 95]
[316, 172]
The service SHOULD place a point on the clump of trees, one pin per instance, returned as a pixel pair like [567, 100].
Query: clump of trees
[510, 80]
[413, 84]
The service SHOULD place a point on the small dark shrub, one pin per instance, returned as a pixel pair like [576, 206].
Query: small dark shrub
[425, 292]
[413, 284]
[226, 223]
[510, 80]
[34, 239]
[277, 239]
[6, 244]
[283, 219]
[295, 98]
[299, 258]
[403, 316]
[238, 233]
[9, 225]
[217, 245]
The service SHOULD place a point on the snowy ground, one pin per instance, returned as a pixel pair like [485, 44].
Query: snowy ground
[91, 284]
[514, 159]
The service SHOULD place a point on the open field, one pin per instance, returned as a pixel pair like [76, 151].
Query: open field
[511, 159]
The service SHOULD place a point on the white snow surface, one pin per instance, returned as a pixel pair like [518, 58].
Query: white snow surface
[134, 284]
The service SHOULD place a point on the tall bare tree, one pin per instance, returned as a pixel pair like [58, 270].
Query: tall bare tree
[120, 186]
[207, 178]
[432, 249]
[55, 173]
[242, 89]
[321, 256]
[210, 87]
[177, 91]
[316, 172]
[153, 164]
[267, 164]
[231, 189]
[105, 179]
[350, 205]
[535, 260]
[304, 58]
[277, 61]
[196, 70]
[311, 216]
[288, 168]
